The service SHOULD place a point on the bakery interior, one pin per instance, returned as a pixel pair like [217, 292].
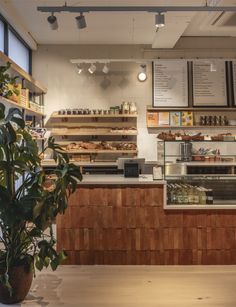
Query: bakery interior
[140, 96]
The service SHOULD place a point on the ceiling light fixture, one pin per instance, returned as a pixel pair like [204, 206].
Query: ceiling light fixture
[52, 20]
[79, 69]
[81, 22]
[158, 10]
[105, 69]
[160, 20]
[142, 75]
[92, 69]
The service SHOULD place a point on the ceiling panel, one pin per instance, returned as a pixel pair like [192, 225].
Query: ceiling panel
[116, 28]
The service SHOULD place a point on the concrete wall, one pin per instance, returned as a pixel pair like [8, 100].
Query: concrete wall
[68, 89]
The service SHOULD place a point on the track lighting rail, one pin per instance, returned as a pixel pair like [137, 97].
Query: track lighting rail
[150, 9]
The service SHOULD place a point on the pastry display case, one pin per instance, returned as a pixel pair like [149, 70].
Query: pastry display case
[200, 170]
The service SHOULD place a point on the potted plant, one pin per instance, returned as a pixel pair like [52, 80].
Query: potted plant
[30, 200]
[8, 85]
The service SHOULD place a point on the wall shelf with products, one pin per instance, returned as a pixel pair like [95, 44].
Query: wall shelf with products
[29, 82]
[194, 184]
[91, 133]
[30, 99]
[99, 137]
[56, 115]
[17, 105]
[191, 118]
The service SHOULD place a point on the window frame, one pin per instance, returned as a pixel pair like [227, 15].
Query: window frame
[7, 28]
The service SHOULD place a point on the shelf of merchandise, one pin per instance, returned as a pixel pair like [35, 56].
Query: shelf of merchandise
[56, 115]
[64, 143]
[35, 88]
[29, 82]
[193, 127]
[51, 162]
[197, 141]
[92, 133]
[195, 109]
[96, 128]
[82, 151]
[17, 105]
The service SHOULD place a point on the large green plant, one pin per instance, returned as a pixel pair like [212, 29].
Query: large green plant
[5, 80]
[29, 208]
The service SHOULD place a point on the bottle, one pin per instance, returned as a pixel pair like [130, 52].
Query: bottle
[202, 196]
[173, 199]
[217, 157]
[209, 196]
[179, 194]
[185, 194]
[190, 194]
[195, 196]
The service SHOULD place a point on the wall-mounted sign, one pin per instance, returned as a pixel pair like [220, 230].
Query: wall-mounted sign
[170, 83]
[209, 83]
[234, 81]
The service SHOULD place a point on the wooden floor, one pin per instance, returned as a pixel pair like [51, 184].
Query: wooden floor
[135, 286]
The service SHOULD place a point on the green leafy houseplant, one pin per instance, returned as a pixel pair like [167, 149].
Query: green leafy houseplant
[5, 80]
[29, 208]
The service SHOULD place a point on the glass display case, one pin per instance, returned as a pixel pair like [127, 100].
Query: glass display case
[199, 174]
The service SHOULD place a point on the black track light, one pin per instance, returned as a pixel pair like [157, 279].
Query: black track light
[81, 22]
[52, 20]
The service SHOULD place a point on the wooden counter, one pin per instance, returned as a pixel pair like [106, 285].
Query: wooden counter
[119, 221]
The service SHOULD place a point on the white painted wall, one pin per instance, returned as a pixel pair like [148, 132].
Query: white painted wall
[66, 88]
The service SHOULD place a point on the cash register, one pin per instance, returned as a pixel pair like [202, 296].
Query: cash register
[132, 167]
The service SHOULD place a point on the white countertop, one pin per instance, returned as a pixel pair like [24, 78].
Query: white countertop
[119, 179]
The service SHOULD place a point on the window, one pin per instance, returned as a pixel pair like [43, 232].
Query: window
[17, 51]
[1, 36]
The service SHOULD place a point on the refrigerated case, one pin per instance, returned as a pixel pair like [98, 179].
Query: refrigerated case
[205, 180]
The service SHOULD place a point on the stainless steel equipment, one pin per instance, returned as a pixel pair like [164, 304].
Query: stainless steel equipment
[186, 151]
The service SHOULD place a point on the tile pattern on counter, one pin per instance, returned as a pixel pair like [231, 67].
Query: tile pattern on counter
[127, 225]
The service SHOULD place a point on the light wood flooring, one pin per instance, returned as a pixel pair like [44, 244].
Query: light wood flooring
[135, 286]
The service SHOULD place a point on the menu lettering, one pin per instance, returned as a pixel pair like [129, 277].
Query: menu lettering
[209, 83]
[170, 83]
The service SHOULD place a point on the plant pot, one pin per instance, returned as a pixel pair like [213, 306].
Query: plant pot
[20, 278]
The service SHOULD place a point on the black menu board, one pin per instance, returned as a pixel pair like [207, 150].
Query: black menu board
[170, 83]
[209, 83]
[234, 80]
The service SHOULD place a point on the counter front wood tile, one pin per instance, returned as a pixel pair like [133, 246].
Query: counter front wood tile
[121, 224]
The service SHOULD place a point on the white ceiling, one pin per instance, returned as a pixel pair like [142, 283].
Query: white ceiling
[117, 28]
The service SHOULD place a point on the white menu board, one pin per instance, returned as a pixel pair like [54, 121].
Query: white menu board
[170, 83]
[209, 83]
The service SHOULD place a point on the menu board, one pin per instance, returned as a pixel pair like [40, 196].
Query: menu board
[170, 83]
[234, 80]
[209, 83]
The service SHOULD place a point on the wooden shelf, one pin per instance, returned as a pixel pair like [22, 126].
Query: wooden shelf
[33, 85]
[55, 115]
[195, 109]
[51, 162]
[191, 127]
[65, 143]
[102, 151]
[91, 133]
[17, 105]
